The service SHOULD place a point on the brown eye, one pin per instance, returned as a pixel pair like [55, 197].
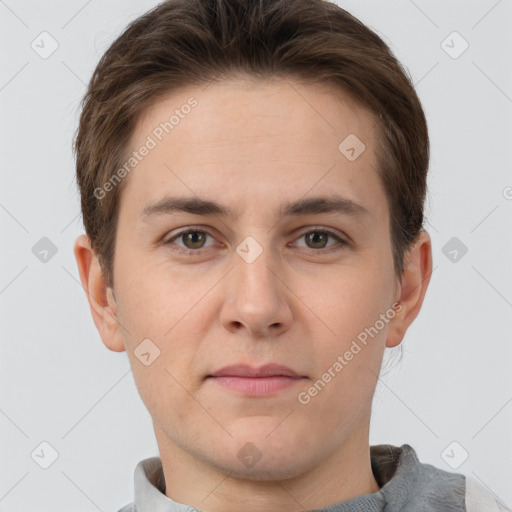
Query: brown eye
[317, 239]
[193, 239]
[190, 241]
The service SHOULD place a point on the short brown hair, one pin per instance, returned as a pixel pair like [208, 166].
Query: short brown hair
[181, 43]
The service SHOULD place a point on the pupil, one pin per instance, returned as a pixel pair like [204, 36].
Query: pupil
[314, 236]
[191, 237]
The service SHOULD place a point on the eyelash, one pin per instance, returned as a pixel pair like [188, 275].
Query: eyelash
[181, 250]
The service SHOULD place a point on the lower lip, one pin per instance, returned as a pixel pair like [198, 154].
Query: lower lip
[257, 385]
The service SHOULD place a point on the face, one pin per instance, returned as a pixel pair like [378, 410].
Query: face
[273, 279]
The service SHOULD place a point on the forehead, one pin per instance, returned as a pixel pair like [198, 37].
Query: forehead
[248, 139]
[253, 104]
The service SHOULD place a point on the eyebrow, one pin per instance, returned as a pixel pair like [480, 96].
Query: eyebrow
[197, 206]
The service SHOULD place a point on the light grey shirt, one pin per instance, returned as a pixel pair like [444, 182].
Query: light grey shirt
[406, 485]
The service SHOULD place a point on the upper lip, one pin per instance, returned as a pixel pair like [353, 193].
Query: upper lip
[245, 370]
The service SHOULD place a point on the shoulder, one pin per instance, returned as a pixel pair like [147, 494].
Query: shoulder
[128, 508]
[479, 499]
[410, 485]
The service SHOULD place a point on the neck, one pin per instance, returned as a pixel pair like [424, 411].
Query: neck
[346, 474]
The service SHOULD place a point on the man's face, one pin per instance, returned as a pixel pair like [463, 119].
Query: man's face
[259, 287]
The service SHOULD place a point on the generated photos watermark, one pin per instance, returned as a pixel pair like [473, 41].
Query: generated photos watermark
[158, 133]
[304, 397]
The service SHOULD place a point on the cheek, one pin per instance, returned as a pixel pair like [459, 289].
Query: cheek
[352, 346]
[348, 363]
[149, 313]
[351, 299]
[160, 371]
[152, 305]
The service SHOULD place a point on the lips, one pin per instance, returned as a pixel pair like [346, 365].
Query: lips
[251, 381]
[245, 370]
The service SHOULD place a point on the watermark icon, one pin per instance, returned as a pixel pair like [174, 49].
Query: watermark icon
[249, 454]
[44, 250]
[44, 455]
[351, 147]
[150, 143]
[304, 397]
[454, 45]
[249, 249]
[507, 193]
[146, 352]
[44, 45]
[454, 455]
[454, 249]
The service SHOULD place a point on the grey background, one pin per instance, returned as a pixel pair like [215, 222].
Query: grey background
[60, 385]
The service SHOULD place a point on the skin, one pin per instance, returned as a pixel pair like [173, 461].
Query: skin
[254, 146]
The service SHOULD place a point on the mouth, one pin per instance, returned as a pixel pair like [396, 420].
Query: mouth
[245, 370]
[252, 381]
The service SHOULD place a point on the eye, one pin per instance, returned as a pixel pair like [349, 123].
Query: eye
[316, 239]
[193, 240]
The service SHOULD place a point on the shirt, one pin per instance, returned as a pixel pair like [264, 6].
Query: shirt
[406, 485]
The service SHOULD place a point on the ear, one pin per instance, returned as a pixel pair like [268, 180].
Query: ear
[412, 288]
[101, 299]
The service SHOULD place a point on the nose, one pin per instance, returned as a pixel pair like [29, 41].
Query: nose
[257, 299]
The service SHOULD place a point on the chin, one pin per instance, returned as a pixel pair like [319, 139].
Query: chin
[268, 468]
[265, 448]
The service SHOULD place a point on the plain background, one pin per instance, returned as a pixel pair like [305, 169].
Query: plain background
[60, 385]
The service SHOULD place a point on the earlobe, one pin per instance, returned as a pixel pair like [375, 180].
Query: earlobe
[414, 284]
[101, 299]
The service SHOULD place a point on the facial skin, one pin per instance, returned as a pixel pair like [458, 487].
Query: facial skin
[301, 303]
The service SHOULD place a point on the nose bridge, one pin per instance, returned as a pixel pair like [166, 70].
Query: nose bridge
[257, 299]
[255, 264]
